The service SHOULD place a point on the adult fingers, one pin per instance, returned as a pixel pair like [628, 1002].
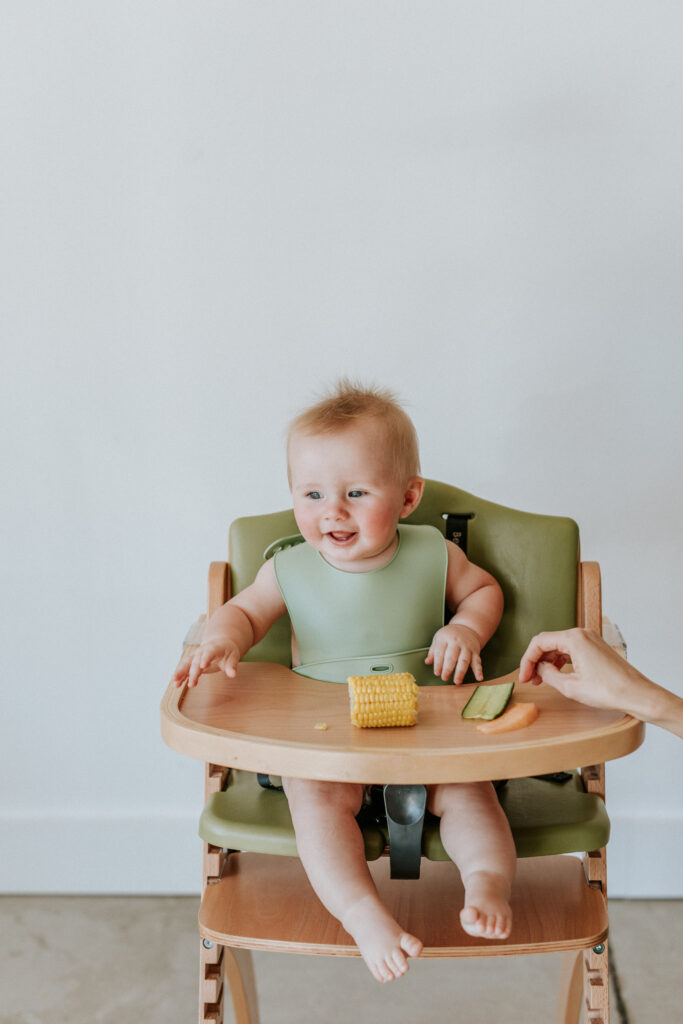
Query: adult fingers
[552, 675]
[540, 647]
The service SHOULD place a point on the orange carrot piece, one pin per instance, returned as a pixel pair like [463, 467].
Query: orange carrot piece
[517, 716]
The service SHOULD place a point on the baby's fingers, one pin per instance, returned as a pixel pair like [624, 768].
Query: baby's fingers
[181, 673]
[230, 664]
[435, 658]
[477, 668]
[450, 660]
[195, 670]
[461, 667]
[202, 660]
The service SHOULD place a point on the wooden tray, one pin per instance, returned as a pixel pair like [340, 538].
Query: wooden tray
[264, 721]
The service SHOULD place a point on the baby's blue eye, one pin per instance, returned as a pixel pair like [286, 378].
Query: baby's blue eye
[356, 494]
[314, 494]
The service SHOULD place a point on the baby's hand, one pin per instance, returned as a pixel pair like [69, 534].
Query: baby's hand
[223, 654]
[454, 649]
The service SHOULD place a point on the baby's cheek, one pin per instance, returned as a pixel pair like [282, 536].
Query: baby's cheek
[305, 521]
[380, 522]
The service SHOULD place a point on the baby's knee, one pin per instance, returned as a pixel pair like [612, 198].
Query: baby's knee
[458, 795]
[315, 796]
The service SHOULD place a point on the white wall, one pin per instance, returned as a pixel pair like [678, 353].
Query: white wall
[212, 209]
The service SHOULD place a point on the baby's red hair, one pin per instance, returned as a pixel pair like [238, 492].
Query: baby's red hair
[346, 404]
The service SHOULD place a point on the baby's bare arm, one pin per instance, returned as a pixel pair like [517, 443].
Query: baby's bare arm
[473, 594]
[235, 627]
[477, 601]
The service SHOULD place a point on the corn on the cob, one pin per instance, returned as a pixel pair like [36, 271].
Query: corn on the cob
[383, 700]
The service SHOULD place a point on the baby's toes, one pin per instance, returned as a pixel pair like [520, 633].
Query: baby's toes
[471, 920]
[411, 945]
[496, 927]
[397, 963]
[484, 925]
[468, 915]
[397, 969]
[381, 971]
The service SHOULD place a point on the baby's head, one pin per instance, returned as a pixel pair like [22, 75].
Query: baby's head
[353, 465]
[374, 410]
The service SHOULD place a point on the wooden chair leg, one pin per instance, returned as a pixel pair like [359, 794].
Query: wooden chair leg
[239, 975]
[211, 957]
[214, 965]
[571, 988]
[596, 984]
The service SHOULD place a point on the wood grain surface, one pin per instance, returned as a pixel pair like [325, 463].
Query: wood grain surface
[264, 720]
[257, 907]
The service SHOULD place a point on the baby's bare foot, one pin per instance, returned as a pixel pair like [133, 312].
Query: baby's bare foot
[382, 943]
[487, 911]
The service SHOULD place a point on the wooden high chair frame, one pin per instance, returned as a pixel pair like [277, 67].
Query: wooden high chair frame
[264, 721]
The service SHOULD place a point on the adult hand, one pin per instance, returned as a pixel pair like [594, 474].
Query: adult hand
[600, 677]
[598, 671]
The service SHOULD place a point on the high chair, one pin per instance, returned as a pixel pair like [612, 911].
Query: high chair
[263, 724]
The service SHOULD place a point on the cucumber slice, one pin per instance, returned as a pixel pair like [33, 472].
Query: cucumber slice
[488, 701]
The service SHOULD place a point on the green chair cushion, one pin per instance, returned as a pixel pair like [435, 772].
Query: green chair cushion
[250, 818]
[545, 817]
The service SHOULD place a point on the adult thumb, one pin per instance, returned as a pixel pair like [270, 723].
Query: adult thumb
[551, 674]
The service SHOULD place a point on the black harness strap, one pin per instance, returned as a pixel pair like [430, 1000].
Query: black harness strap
[456, 527]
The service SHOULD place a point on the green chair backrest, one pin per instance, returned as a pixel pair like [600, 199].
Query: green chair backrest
[533, 557]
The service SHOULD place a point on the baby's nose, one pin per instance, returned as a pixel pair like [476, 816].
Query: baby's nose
[336, 510]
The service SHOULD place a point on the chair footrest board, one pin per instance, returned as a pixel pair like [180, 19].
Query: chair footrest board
[545, 817]
[267, 905]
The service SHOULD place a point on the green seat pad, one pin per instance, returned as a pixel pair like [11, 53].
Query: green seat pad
[250, 818]
[546, 817]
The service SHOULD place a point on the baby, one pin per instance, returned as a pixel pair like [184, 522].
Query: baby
[354, 475]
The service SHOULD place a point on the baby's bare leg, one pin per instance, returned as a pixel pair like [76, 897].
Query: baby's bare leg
[476, 835]
[332, 851]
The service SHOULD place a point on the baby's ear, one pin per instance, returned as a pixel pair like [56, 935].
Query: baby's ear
[412, 495]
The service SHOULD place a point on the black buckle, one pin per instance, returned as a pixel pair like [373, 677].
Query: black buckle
[456, 527]
[405, 808]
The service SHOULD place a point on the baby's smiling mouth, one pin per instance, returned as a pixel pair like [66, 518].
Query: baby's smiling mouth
[341, 536]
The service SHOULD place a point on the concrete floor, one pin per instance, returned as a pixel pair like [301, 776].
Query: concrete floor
[113, 960]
